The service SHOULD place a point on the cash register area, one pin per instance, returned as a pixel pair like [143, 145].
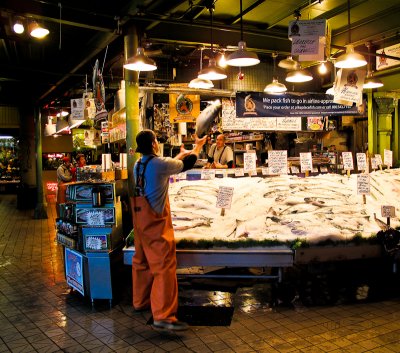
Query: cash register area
[40, 313]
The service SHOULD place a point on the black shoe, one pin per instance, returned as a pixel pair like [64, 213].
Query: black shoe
[142, 309]
[170, 325]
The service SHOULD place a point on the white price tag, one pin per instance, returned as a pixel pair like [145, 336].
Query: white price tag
[239, 172]
[207, 174]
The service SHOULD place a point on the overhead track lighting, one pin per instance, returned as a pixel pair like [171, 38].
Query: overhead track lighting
[212, 72]
[242, 57]
[370, 81]
[37, 31]
[140, 62]
[298, 76]
[351, 59]
[275, 86]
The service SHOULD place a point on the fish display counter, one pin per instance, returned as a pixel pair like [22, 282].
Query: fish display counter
[318, 218]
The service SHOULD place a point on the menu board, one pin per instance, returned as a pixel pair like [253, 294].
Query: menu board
[361, 161]
[347, 161]
[305, 161]
[363, 186]
[277, 162]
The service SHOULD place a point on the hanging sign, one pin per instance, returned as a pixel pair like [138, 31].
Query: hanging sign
[259, 105]
[361, 161]
[78, 108]
[105, 134]
[277, 162]
[363, 185]
[306, 162]
[183, 108]
[307, 28]
[348, 163]
[349, 86]
[306, 45]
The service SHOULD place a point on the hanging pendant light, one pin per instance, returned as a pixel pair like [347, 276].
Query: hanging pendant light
[37, 31]
[242, 57]
[371, 82]
[351, 59]
[298, 76]
[201, 82]
[140, 62]
[275, 86]
[212, 72]
[289, 63]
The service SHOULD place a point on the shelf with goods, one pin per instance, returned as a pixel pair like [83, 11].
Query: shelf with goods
[90, 230]
[241, 144]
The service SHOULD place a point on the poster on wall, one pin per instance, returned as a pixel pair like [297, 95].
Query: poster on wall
[74, 270]
[383, 62]
[183, 108]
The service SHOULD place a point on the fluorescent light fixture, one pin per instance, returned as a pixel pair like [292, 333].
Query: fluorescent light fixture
[298, 76]
[350, 60]
[140, 62]
[201, 83]
[212, 72]
[37, 31]
[275, 87]
[242, 57]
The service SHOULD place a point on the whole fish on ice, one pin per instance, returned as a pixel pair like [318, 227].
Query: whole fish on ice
[206, 118]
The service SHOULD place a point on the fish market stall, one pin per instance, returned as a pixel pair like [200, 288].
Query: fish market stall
[295, 217]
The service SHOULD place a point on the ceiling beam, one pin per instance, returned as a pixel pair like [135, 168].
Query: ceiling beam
[237, 18]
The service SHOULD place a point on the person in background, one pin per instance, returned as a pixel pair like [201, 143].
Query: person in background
[80, 163]
[64, 175]
[155, 284]
[220, 156]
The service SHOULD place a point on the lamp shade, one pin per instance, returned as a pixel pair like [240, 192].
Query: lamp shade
[37, 31]
[275, 87]
[372, 82]
[242, 57]
[299, 75]
[289, 63]
[350, 60]
[140, 62]
[201, 83]
[212, 72]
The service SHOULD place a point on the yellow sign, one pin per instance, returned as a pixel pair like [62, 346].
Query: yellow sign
[183, 108]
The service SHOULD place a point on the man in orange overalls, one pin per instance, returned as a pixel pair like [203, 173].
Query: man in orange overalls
[154, 263]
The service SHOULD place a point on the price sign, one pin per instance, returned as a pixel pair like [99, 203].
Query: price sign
[277, 161]
[347, 161]
[388, 158]
[224, 197]
[265, 171]
[295, 169]
[239, 172]
[305, 161]
[249, 161]
[388, 211]
[374, 164]
[361, 161]
[378, 158]
[363, 186]
[207, 174]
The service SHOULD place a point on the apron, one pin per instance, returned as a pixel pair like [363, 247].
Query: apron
[154, 262]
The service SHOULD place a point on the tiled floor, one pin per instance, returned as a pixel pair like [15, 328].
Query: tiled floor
[38, 313]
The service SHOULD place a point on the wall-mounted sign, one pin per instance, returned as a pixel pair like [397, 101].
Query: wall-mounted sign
[382, 62]
[183, 108]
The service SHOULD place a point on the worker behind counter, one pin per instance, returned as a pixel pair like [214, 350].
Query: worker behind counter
[220, 156]
[64, 175]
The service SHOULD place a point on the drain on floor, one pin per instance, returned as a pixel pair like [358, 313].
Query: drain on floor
[204, 315]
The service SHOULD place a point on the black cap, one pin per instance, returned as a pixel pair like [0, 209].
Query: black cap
[144, 141]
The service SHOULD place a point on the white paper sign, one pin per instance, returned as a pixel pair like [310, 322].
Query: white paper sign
[77, 109]
[388, 158]
[300, 28]
[378, 158]
[224, 197]
[295, 169]
[363, 186]
[361, 161]
[265, 171]
[277, 161]
[305, 161]
[349, 86]
[384, 62]
[239, 172]
[207, 174]
[249, 162]
[388, 211]
[305, 45]
[288, 123]
[347, 158]
[374, 164]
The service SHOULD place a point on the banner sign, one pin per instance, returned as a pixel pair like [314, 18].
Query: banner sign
[183, 108]
[262, 105]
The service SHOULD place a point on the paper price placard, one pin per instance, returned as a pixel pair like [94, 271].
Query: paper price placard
[249, 162]
[239, 172]
[374, 164]
[347, 161]
[388, 211]
[295, 169]
[252, 172]
[265, 171]
[277, 162]
[207, 174]
[388, 158]
[363, 186]
[305, 161]
[224, 197]
[361, 161]
[378, 158]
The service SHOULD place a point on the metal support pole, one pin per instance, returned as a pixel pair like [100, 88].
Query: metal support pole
[41, 206]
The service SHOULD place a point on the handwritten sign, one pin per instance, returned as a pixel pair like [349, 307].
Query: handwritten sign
[388, 158]
[363, 185]
[295, 169]
[288, 123]
[388, 211]
[249, 162]
[361, 161]
[265, 171]
[277, 161]
[239, 172]
[347, 161]
[374, 164]
[305, 161]
[224, 197]
[378, 158]
[207, 174]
